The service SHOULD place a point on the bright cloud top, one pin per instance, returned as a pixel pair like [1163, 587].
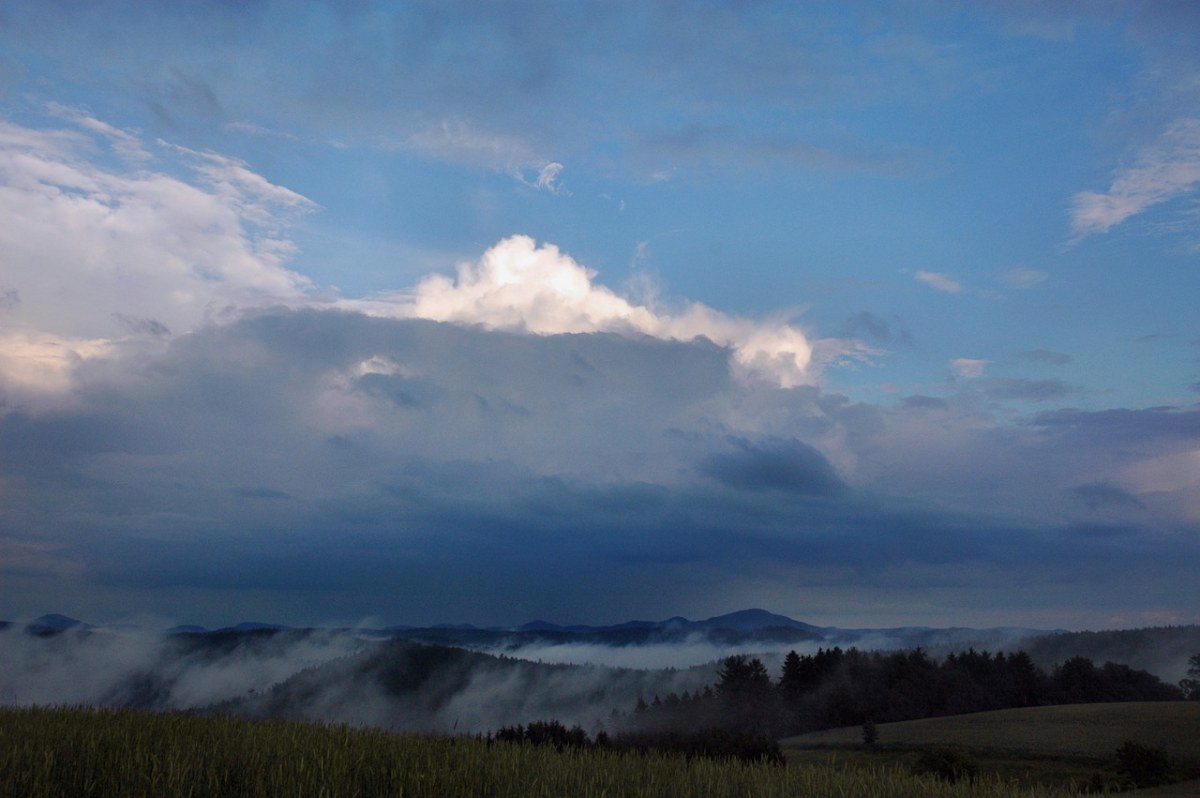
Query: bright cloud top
[518, 285]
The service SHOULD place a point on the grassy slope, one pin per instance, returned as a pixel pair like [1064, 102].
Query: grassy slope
[1042, 745]
[55, 752]
[1088, 730]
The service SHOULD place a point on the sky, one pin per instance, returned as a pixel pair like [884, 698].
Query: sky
[406, 313]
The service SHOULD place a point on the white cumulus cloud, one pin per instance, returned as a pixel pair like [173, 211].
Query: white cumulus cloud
[518, 285]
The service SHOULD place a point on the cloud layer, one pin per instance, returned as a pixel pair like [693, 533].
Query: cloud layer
[187, 422]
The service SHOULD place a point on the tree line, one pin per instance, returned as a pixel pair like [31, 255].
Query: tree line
[849, 687]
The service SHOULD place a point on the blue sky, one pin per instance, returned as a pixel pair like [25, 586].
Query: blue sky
[870, 314]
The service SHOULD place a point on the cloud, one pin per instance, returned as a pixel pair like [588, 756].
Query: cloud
[1104, 495]
[506, 88]
[9, 298]
[968, 367]
[918, 401]
[98, 255]
[1167, 168]
[547, 178]
[941, 282]
[1023, 277]
[791, 466]
[873, 326]
[305, 464]
[1033, 390]
[124, 143]
[519, 285]
[468, 142]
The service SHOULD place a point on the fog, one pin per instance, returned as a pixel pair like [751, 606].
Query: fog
[347, 677]
[132, 667]
[328, 676]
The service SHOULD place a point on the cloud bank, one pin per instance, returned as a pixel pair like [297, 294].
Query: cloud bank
[186, 421]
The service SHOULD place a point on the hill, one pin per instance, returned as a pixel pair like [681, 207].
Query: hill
[1056, 745]
[402, 685]
[148, 755]
[1088, 730]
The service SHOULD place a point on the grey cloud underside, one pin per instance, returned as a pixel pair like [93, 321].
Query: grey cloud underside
[390, 464]
[790, 466]
[1097, 495]
[1032, 390]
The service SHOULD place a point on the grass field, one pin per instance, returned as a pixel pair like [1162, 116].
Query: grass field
[1059, 745]
[77, 752]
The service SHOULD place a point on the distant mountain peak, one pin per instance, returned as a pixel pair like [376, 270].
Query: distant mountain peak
[752, 619]
[255, 626]
[55, 621]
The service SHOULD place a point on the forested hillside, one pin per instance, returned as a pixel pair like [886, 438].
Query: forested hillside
[836, 687]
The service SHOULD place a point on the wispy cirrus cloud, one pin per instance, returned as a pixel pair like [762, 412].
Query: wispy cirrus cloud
[1167, 168]
[97, 252]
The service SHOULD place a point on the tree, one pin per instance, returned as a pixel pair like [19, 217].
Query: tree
[1191, 685]
[743, 677]
[791, 680]
[747, 695]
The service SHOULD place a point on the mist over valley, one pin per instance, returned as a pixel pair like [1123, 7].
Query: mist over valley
[466, 679]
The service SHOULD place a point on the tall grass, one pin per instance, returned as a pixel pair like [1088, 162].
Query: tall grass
[90, 752]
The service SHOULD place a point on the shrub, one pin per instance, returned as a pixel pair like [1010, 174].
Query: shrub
[550, 732]
[1143, 766]
[948, 764]
[707, 744]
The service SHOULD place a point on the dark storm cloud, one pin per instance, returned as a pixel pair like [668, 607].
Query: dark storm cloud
[337, 465]
[261, 493]
[1122, 425]
[790, 466]
[1100, 495]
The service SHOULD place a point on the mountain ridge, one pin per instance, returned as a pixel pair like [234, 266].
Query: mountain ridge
[746, 621]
